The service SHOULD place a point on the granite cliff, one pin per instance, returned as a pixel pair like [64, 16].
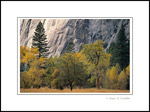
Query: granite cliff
[82, 31]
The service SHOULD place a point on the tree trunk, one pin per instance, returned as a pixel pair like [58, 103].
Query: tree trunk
[98, 86]
[102, 82]
[71, 87]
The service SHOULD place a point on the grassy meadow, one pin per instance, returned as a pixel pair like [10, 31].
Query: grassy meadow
[89, 90]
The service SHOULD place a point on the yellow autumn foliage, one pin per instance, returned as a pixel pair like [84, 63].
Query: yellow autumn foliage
[111, 78]
[25, 80]
[122, 80]
[113, 75]
[35, 71]
[128, 71]
[27, 55]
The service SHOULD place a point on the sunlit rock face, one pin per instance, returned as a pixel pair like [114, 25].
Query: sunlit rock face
[82, 31]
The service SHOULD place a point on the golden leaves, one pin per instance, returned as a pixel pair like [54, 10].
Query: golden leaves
[113, 74]
[128, 70]
[27, 55]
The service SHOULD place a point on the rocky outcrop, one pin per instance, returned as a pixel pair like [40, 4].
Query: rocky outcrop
[82, 31]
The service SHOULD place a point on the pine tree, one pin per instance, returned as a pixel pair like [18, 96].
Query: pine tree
[111, 50]
[120, 50]
[39, 40]
[70, 47]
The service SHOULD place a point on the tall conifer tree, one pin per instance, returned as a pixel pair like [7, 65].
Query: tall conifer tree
[40, 41]
[120, 50]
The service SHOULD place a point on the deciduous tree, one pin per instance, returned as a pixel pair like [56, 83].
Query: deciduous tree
[98, 58]
[122, 80]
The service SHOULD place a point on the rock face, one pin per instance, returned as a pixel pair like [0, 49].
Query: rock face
[82, 31]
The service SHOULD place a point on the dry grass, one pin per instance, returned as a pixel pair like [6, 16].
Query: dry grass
[89, 90]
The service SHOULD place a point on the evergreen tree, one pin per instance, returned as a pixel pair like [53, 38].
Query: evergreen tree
[111, 50]
[120, 50]
[39, 40]
[70, 47]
